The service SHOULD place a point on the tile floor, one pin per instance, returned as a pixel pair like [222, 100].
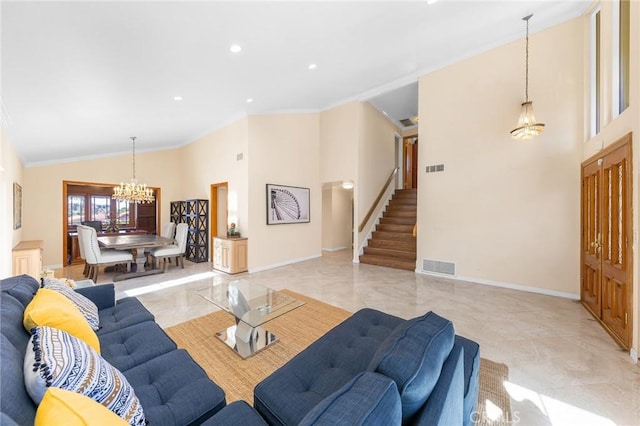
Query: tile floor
[563, 367]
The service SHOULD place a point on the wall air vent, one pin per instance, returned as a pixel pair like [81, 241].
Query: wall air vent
[438, 267]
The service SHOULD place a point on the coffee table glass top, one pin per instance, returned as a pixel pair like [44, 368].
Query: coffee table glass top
[250, 303]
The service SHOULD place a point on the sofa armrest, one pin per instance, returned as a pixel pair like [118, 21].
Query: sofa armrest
[445, 404]
[103, 295]
[368, 398]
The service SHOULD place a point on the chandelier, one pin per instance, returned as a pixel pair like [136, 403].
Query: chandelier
[133, 192]
[527, 126]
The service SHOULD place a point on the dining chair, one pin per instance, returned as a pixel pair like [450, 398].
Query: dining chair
[85, 272]
[169, 230]
[177, 249]
[96, 257]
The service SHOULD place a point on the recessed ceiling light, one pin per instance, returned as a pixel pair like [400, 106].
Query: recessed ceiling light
[313, 66]
[235, 48]
[177, 98]
[431, 1]
[249, 100]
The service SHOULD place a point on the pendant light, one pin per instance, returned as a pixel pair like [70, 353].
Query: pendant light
[133, 192]
[527, 126]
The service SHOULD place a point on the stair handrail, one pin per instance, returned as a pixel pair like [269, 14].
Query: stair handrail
[378, 198]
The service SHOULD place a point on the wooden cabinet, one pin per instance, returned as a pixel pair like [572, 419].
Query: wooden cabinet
[27, 258]
[230, 255]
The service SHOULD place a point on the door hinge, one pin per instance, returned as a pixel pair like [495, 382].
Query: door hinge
[626, 318]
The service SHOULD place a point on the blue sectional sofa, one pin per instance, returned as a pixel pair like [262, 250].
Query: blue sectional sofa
[372, 369]
[171, 387]
[376, 368]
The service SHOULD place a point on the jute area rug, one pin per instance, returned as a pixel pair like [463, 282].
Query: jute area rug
[296, 330]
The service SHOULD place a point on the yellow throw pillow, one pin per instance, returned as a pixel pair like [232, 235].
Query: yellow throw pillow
[52, 309]
[63, 407]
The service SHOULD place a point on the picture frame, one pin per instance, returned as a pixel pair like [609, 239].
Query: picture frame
[287, 204]
[17, 206]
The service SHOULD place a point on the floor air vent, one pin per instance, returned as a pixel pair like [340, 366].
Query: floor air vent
[436, 266]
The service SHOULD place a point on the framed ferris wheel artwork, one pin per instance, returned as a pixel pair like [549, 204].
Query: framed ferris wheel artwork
[287, 204]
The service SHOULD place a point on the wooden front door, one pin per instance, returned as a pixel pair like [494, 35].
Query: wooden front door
[606, 234]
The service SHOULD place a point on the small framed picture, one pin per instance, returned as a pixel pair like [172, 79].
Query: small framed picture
[287, 204]
[17, 206]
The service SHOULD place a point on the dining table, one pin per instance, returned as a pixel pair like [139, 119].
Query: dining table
[140, 244]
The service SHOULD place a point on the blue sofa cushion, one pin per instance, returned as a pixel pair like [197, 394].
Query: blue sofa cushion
[413, 355]
[11, 313]
[471, 377]
[124, 313]
[174, 390]
[131, 346]
[367, 399]
[22, 287]
[445, 404]
[289, 393]
[16, 403]
[235, 414]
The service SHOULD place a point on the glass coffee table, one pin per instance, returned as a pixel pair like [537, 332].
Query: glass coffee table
[252, 305]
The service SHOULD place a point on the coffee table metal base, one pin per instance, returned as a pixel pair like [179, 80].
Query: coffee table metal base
[245, 340]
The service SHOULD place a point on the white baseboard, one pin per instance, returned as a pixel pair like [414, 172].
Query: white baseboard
[334, 249]
[285, 263]
[545, 291]
[59, 266]
[634, 355]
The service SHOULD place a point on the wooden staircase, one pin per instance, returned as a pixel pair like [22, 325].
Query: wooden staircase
[392, 243]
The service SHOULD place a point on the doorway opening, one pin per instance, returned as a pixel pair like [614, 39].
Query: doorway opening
[219, 209]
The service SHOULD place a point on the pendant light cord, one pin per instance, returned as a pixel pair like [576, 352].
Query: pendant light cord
[133, 138]
[526, 61]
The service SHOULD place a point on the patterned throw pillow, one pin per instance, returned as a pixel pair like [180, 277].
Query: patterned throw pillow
[87, 308]
[55, 358]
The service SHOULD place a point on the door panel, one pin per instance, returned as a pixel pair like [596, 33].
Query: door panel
[591, 271]
[616, 257]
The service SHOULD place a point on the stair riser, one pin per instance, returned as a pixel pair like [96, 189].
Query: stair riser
[393, 245]
[401, 207]
[400, 213]
[407, 229]
[390, 263]
[396, 254]
[395, 236]
[398, 220]
[404, 200]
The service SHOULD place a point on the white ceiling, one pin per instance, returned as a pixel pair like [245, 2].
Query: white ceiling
[78, 78]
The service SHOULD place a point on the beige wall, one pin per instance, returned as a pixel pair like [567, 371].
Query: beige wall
[613, 127]
[43, 191]
[214, 159]
[11, 170]
[284, 149]
[376, 160]
[505, 211]
[339, 143]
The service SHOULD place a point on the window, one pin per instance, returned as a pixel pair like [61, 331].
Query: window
[594, 74]
[123, 213]
[75, 209]
[100, 208]
[623, 55]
